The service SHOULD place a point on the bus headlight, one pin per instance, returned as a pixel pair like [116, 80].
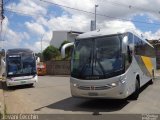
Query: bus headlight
[75, 85]
[113, 84]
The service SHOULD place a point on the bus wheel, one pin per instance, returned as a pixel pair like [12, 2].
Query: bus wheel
[31, 85]
[135, 95]
[152, 80]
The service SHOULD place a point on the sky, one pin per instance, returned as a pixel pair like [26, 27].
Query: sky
[28, 21]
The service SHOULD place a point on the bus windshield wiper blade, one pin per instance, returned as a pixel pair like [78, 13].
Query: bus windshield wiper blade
[84, 65]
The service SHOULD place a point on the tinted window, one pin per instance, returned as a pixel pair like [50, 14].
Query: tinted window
[142, 48]
[130, 38]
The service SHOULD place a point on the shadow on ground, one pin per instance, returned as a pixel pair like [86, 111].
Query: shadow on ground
[88, 105]
[85, 105]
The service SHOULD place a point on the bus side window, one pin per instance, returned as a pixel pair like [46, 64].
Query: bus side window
[129, 47]
[130, 38]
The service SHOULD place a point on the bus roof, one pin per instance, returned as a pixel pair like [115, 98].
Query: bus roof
[100, 32]
[105, 32]
[18, 51]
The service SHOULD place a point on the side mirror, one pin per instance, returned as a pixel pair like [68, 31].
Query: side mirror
[3, 75]
[3, 52]
[3, 62]
[63, 49]
[37, 59]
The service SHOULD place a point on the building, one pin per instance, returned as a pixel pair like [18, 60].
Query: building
[59, 36]
[156, 44]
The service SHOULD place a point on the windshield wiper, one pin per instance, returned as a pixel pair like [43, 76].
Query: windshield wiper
[95, 61]
[88, 61]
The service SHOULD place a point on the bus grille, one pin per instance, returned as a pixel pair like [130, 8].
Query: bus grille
[94, 87]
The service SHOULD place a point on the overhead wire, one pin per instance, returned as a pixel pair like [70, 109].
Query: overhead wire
[111, 17]
[107, 16]
[33, 15]
[131, 6]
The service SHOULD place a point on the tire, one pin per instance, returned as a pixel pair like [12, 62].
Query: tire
[135, 95]
[9, 87]
[31, 85]
[152, 80]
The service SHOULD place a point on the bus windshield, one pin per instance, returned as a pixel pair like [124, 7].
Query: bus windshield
[97, 57]
[21, 65]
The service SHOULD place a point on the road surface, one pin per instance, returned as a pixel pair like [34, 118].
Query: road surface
[52, 96]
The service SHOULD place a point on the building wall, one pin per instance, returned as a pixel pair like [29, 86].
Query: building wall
[58, 37]
[71, 37]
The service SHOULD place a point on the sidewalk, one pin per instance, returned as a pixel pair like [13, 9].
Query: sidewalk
[2, 104]
[157, 73]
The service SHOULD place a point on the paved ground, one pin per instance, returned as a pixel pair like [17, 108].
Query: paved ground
[52, 95]
[1, 100]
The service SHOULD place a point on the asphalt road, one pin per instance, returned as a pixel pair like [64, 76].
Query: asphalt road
[52, 96]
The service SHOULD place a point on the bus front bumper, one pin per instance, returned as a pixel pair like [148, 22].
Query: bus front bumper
[20, 82]
[91, 91]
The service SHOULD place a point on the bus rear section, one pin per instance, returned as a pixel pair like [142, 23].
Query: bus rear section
[107, 66]
[20, 67]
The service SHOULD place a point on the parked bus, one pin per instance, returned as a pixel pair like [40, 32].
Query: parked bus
[112, 65]
[20, 67]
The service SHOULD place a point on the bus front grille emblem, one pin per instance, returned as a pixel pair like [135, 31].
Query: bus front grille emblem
[92, 88]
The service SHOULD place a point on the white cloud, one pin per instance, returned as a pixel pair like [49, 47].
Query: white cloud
[37, 46]
[112, 8]
[152, 36]
[29, 7]
[117, 24]
[35, 28]
[75, 22]
[80, 21]
[11, 38]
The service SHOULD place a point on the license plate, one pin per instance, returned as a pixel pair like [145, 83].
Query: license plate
[93, 94]
[23, 81]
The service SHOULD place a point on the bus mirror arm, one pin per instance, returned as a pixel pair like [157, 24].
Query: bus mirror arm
[63, 53]
[3, 75]
[129, 54]
[37, 59]
[3, 63]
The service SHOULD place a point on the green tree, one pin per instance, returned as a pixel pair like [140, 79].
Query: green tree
[51, 52]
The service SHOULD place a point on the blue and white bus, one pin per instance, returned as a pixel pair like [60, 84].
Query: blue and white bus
[20, 67]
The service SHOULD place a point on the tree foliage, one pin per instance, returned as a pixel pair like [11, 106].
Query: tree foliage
[51, 52]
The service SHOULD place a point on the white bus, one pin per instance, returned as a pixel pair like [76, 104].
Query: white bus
[111, 65]
[20, 67]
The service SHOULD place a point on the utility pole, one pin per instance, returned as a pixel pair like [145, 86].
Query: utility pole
[41, 42]
[1, 18]
[95, 16]
[41, 58]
